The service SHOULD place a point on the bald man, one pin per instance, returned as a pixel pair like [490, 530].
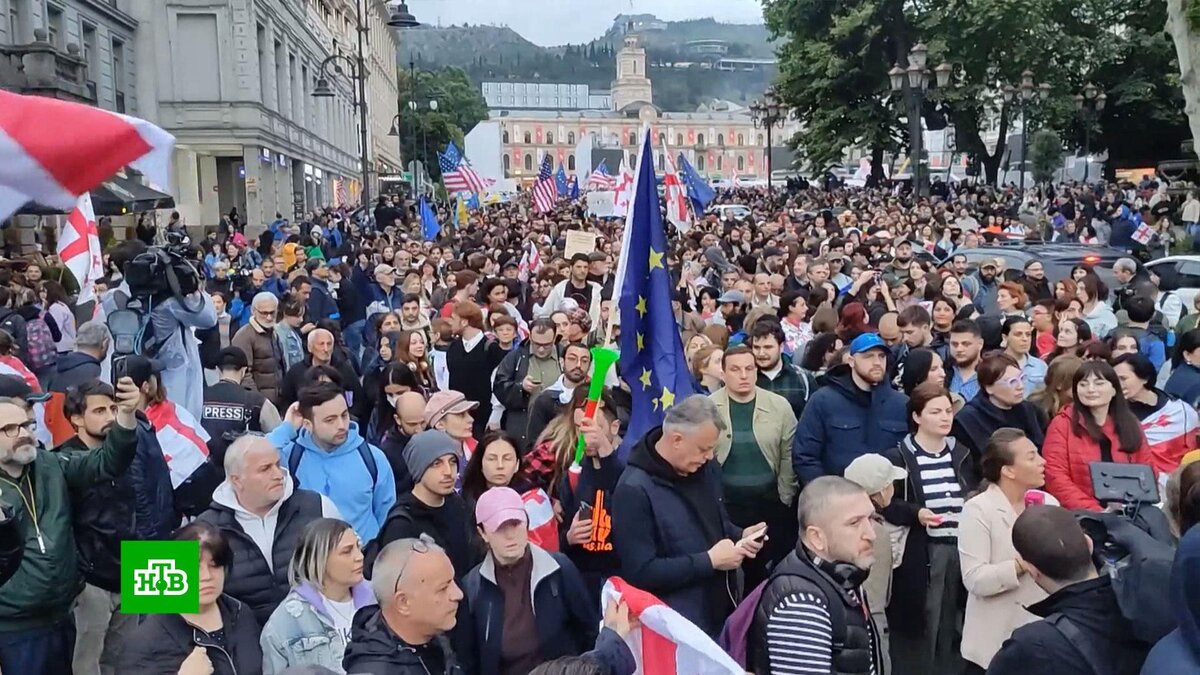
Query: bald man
[408, 420]
[324, 350]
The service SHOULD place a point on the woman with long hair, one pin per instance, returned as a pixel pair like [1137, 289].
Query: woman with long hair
[853, 322]
[821, 351]
[1070, 337]
[1056, 390]
[56, 303]
[952, 289]
[1065, 289]
[706, 303]
[1092, 293]
[311, 627]
[412, 351]
[554, 449]
[393, 381]
[924, 365]
[705, 366]
[927, 590]
[999, 586]
[1097, 427]
[1169, 423]
[942, 314]
[494, 463]
[793, 316]
[1184, 382]
[221, 637]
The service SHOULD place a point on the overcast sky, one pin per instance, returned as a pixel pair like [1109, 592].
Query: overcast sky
[557, 22]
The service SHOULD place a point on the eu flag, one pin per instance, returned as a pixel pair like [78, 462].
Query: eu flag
[652, 361]
[560, 182]
[429, 223]
[574, 187]
[698, 189]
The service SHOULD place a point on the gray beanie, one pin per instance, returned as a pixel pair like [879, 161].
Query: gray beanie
[424, 449]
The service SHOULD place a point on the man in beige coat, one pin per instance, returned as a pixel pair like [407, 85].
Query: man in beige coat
[755, 452]
[877, 476]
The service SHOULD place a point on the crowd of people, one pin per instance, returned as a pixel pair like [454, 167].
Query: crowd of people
[883, 472]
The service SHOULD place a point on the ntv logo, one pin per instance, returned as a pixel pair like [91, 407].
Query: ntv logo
[159, 577]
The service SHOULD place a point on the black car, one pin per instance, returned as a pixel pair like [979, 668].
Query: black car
[1057, 258]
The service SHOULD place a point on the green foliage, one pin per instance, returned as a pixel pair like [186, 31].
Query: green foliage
[1045, 155]
[425, 131]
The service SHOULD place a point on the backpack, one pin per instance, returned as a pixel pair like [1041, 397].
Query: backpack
[364, 451]
[40, 352]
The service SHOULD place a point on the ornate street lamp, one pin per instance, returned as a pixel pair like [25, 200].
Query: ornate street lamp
[768, 114]
[1089, 103]
[913, 82]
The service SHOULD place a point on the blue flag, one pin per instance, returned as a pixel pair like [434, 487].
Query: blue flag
[429, 223]
[652, 361]
[698, 189]
[473, 202]
[574, 187]
[560, 182]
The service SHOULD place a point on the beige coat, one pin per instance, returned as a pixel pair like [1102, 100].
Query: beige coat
[996, 597]
[774, 429]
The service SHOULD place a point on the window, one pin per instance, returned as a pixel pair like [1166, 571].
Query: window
[118, 69]
[570, 138]
[759, 142]
[507, 164]
[54, 25]
[721, 140]
[505, 137]
[528, 160]
[700, 139]
[549, 138]
[15, 32]
[632, 138]
[741, 163]
[528, 138]
[700, 162]
[741, 139]
[90, 51]
[679, 139]
[571, 162]
[660, 161]
[719, 158]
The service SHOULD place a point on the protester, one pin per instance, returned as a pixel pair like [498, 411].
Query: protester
[1000, 403]
[257, 340]
[1168, 423]
[493, 464]
[470, 360]
[231, 409]
[524, 373]
[312, 626]
[575, 369]
[776, 373]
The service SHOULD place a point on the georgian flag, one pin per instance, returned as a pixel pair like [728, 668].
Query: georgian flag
[1143, 234]
[543, 526]
[675, 195]
[53, 152]
[79, 248]
[624, 192]
[184, 442]
[666, 643]
[1171, 433]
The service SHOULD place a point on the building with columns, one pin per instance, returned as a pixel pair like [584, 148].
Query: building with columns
[719, 138]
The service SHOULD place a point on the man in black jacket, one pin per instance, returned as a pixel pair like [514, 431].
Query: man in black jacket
[262, 514]
[321, 352]
[1083, 631]
[405, 634]
[523, 373]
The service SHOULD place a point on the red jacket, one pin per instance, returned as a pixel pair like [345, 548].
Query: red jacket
[1068, 455]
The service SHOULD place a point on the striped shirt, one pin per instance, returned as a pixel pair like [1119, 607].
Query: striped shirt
[800, 636]
[943, 494]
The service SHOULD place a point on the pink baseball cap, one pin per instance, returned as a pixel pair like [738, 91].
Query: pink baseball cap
[498, 506]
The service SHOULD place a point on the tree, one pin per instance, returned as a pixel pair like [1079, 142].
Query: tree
[1183, 22]
[423, 130]
[1045, 155]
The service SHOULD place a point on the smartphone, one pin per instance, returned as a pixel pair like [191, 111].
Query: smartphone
[585, 510]
[118, 370]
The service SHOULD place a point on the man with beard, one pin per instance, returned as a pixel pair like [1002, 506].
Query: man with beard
[37, 634]
[966, 344]
[585, 293]
[900, 269]
[982, 285]
[821, 579]
[106, 513]
[855, 413]
[410, 421]
[776, 373]
[576, 364]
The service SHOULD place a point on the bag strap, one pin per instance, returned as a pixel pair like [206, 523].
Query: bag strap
[1075, 637]
[368, 458]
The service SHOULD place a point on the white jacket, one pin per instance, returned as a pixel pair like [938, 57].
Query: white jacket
[554, 301]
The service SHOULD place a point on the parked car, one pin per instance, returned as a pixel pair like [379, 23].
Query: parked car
[1180, 274]
[734, 211]
[1058, 258]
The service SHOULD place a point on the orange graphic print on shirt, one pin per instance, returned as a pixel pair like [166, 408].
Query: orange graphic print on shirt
[601, 526]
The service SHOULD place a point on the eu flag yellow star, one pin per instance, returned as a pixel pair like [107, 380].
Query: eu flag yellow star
[641, 342]
[645, 378]
[641, 306]
[667, 398]
[655, 259]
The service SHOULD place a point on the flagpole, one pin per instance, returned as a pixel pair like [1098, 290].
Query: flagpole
[686, 196]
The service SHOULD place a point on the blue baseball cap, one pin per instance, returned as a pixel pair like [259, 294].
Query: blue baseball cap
[867, 342]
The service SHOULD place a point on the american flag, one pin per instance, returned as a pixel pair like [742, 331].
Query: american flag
[340, 196]
[600, 179]
[457, 174]
[545, 191]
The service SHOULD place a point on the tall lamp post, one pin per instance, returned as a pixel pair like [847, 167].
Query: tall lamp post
[913, 81]
[1090, 102]
[1023, 96]
[400, 18]
[768, 114]
[414, 105]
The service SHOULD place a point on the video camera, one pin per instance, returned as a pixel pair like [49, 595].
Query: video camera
[163, 272]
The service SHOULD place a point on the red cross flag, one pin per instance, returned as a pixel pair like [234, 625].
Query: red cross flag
[52, 152]
[79, 247]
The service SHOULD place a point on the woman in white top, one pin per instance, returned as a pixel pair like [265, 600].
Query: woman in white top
[1098, 315]
[311, 627]
[54, 301]
[998, 587]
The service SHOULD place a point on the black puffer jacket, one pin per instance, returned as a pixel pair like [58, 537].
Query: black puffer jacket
[375, 650]
[161, 642]
[250, 579]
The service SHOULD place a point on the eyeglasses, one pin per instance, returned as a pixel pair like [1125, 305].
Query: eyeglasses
[12, 430]
[1013, 382]
[419, 545]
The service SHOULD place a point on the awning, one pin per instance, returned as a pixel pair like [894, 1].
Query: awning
[116, 196]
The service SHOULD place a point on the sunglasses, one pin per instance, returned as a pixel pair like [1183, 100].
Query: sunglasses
[419, 545]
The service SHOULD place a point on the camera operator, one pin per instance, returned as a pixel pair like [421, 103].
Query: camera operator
[173, 315]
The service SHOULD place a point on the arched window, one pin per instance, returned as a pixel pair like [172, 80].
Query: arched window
[679, 139]
[741, 139]
[549, 138]
[507, 164]
[700, 162]
[660, 161]
[632, 138]
[505, 137]
[718, 162]
[571, 162]
[571, 138]
[528, 138]
[721, 139]
[528, 161]
[699, 139]
[759, 142]
[741, 163]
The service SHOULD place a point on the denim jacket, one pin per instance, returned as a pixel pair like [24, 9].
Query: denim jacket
[292, 344]
[301, 633]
